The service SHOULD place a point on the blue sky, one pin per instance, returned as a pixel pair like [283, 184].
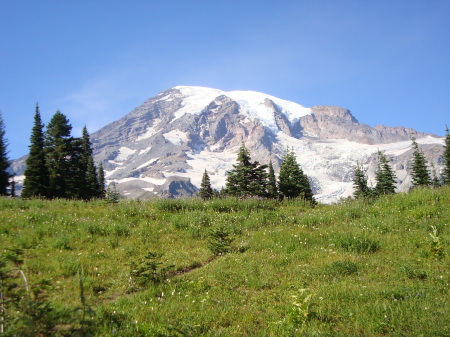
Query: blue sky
[386, 61]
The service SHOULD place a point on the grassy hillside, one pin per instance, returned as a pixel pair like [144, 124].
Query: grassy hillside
[237, 268]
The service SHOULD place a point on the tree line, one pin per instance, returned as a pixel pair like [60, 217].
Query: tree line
[58, 166]
[252, 179]
[62, 166]
[422, 174]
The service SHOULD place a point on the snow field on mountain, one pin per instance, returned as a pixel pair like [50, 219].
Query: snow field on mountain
[195, 100]
[337, 159]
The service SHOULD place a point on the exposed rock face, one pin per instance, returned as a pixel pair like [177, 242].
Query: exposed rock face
[162, 147]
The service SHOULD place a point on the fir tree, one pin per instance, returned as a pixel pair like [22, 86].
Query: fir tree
[258, 180]
[89, 171]
[240, 177]
[446, 155]
[362, 190]
[4, 160]
[247, 178]
[76, 171]
[59, 148]
[101, 181]
[292, 182]
[419, 170]
[36, 183]
[384, 176]
[93, 186]
[272, 189]
[206, 191]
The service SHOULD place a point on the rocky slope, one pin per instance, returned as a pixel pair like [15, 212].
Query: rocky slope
[162, 147]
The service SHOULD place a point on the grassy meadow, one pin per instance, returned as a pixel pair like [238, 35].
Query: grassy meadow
[238, 267]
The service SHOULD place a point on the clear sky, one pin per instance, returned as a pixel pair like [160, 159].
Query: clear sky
[96, 60]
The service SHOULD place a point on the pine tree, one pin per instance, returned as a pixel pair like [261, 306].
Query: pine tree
[419, 170]
[4, 160]
[272, 189]
[206, 191]
[362, 190]
[101, 181]
[36, 183]
[384, 176]
[292, 182]
[446, 155]
[59, 148]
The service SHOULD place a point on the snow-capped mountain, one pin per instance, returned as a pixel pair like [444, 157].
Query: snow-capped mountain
[162, 147]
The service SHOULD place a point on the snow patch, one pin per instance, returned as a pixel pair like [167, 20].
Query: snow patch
[124, 153]
[153, 181]
[176, 137]
[149, 132]
[151, 161]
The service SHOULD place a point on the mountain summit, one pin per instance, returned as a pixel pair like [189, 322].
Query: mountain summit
[162, 147]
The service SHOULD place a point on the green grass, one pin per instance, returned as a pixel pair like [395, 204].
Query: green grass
[357, 268]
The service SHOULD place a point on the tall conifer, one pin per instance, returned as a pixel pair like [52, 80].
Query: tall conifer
[206, 191]
[240, 177]
[292, 182]
[90, 178]
[247, 178]
[101, 181]
[4, 160]
[384, 176]
[36, 183]
[446, 155]
[362, 190]
[419, 170]
[272, 189]
[59, 150]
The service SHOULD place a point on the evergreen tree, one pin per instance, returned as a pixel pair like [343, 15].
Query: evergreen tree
[362, 190]
[206, 191]
[419, 170]
[292, 182]
[59, 148]
[446, 155]
[384, 176]
[36, 181]
[101, 181]
[258, 180]
[240, 177]
[247, 178]
[4, 160]
[92, 179]
[88, 170]
[76, 171]
[272, 189]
